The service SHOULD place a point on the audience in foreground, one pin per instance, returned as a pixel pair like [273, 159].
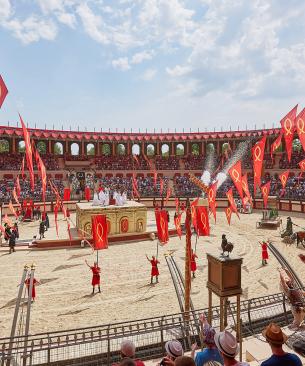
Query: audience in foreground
[276, 338]
[128, 354]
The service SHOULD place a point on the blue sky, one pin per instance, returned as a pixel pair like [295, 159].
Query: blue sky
[167, 64]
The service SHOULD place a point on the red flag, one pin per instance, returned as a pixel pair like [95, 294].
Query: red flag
[6, 220]
[162, 226]
[244, 182]
[284, 177]
[177, 204]
[2, 229]
[265, 192]
[258, 151]
[148, 161]
[228, 212]
[235, 174]
[87, 194]
[155, 178]
[276, 144]
[3, 91]
[135, 187]
[231, 200]
[18, 189]
[168, 193]
[203, 225]
[11, 207]
[288, 127]
[193, 213]
[161, 186]
[22, 168]
[212, 198]
[300, 125]
[136, 159]
[177, 221]
[67, 194]
[15, 197]
[99, 232]
[43, 175]
[302, 165]
[28, 152]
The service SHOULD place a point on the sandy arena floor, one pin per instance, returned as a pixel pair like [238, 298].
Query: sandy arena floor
[64, 299]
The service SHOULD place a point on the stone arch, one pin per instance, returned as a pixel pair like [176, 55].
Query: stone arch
[225, 147]
[21, 146]
[195, 149]
[296, 145]
[106, 149]
[4, 146]
[210, 148]
[58, 148]
[165, 150]
[41, 147]
[179, 150]
[150, 150]
[121, 149]
[74, 149]
[135, 149]
[90, 149]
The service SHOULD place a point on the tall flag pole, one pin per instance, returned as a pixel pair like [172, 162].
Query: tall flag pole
[288, 128]
[28, 152]
[187, 268]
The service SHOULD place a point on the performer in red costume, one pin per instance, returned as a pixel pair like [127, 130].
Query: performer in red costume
[96, 278]
[193, 263]
[154, 268]
[27, 283]
[265, 254]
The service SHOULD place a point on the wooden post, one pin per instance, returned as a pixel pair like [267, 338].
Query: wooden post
[238, 327]
[221, 315]
[210, 307]
[188, 246]
[225, 322]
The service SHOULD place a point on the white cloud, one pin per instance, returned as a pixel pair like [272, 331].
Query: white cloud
[5, 9]
[149, 74]
[139, 57]
[121, 64]
[178, 70]
[67, 19]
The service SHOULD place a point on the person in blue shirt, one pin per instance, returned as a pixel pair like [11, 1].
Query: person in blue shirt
[210, 353]
[276, 338]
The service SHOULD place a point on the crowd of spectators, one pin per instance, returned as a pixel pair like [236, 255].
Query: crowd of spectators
[296, 157]
[122, 162]
[193, 162]
[167, 163]
[14, 161]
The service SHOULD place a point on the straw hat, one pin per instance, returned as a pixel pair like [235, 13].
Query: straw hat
[273, 334]
[174, 348]
[226, 343]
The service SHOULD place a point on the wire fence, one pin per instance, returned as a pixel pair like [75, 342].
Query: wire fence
[100, 345]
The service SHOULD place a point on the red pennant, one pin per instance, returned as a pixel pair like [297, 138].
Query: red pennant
[135, 187]
[15, 197]
[177, 221]
[55, 217]
[87, 194]
[265, 192]
[22, 168]
[300, 126]
[276, 144]
[28, 152]
[18, 189]
[155, 178]
[258, 151]
[193, 212]
[235, 174]
[67, 194]
[245, 186]
[11, 207]
[212, 198]
[161, 186]
[177, 204]
[99, 232]
[162, 226]
[43, 176]
[6, 220]
[228, 212]
[168, 193]
[284, 177]
[3, 91]
[231, 200]
[136, 159]
[288, 128]
[202, 218]
[2, 229]
[302, 165]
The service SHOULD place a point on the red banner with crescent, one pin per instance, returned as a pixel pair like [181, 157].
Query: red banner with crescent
[18, 189]
[162, 226]
[284, 177]
[87, 194]
[67, 194]
[212, 198]
[302, 165]
[11, 207]
[3, 91]
[228, 212]
[288, 128]
[300, 126]
[193, 213]
[203, 225]
[99, 232]
[258, 151]
[177, 222]
[28, 152]
[265, 193]
[235, 174]
[276, 144]
[244, 182]
[231, 200]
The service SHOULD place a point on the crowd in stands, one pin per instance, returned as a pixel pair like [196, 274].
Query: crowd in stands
[296, 157]
[14, 161]
[77, 157]
[122, 162]
[169, 163]
[193, 162]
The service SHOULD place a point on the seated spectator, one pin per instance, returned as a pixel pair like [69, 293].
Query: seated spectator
[276, 338]
[128, 351]
[210, 353]
[127, 362]
[173, 350]
[228, 348]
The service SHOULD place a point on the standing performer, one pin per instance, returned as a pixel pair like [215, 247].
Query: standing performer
[265, 254]
[289, 230]
[193, 263]
[27, 283]
[12, 242]
[154, 268]
[96, 278]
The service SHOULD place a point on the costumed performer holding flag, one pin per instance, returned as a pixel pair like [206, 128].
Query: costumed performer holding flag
[96, 278]
[154, 268]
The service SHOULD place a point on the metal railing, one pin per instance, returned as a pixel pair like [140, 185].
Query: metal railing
[100, 345]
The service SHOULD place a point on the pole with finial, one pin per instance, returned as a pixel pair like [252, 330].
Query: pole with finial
[187, 275]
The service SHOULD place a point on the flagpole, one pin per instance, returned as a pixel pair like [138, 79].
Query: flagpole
[157, 249]
[97, 258]
[187, 276]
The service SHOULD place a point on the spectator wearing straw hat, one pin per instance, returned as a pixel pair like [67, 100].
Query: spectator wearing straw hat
[210, 353]
[276, 338]
[228, 348]
[173, 350]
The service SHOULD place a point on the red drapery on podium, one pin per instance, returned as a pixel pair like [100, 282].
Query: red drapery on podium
[67, 194]
[99, 232]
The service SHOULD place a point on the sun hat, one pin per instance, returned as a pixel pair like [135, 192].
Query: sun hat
[226, 343]
[273, 334]
[174, 348]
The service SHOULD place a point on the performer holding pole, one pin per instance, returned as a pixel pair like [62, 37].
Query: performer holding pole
[154, 268]
[96, 278]
[193, 263]
[265, 254]
[27, 283]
